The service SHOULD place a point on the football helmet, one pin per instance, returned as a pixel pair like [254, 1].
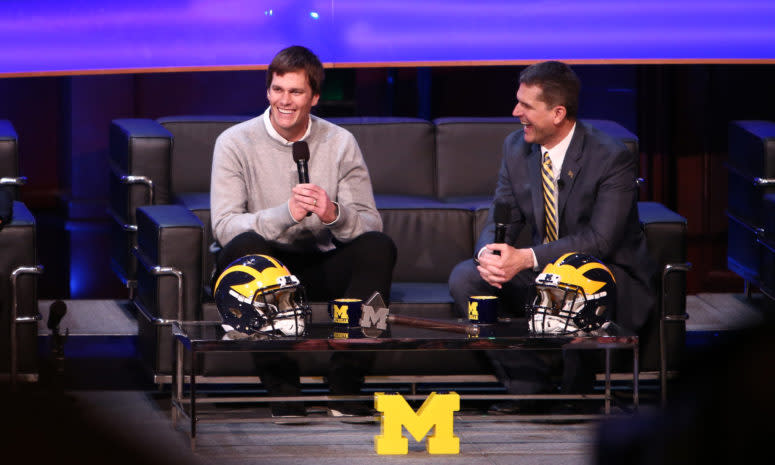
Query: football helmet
[257, 294]
[575, 293]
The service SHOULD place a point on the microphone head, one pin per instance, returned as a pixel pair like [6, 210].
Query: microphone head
[300, 151]
[502, 213]
[56, 312]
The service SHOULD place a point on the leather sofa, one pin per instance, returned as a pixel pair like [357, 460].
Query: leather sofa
[767, 243]
[433, 183]
[751, 185]
[18, 273]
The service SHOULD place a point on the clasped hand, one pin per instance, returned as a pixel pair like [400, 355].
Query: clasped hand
[311, 198]
[498, 269]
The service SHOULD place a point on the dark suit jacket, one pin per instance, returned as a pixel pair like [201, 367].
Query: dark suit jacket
[597, 209]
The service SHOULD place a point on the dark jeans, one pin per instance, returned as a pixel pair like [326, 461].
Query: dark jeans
[353, 270]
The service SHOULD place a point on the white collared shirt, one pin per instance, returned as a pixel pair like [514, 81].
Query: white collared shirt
[276, 135]
[557, 153]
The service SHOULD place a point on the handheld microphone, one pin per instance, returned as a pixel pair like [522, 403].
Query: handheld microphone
[56, 312]
[502, 218]
[300, 156]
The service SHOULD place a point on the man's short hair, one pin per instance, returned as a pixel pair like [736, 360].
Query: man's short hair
[559, 84]
[295, 58]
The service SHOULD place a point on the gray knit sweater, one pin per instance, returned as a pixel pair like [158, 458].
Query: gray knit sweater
[253, 175]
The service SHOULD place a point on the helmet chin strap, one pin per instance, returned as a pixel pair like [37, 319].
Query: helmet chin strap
[290, 323]
[550, 324]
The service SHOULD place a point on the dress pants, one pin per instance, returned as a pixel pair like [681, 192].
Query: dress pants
[525, 371]
[353, 270]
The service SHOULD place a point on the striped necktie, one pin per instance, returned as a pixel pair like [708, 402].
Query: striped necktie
[550, 199]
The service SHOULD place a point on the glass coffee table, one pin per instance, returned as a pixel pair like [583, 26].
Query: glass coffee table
[198, 338]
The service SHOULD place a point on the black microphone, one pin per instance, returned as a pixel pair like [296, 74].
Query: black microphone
[502, 218]
[300, 156]
[56, 312]
[560, 184]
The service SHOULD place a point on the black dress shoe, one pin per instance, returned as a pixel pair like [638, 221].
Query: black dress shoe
[570, 412]
[514, 407]
[581, 407]
[288, 410]
[352, 412]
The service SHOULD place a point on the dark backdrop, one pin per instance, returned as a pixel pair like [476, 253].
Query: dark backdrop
[679, 112]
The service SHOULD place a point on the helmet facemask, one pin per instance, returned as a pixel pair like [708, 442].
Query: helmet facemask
[284, 310]
[555, 309]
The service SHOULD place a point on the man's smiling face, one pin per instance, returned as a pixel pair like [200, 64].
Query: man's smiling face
[291, 100]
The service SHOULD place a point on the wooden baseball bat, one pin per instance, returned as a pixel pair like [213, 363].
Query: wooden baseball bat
[469, 329]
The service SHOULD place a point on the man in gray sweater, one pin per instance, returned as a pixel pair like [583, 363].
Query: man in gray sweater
[327, 231]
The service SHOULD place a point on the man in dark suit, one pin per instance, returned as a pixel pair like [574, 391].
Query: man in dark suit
[593, 177]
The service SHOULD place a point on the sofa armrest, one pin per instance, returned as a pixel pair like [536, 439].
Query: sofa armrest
[169, 249]
[666, 237]
[139, 175]
[140, 165]
[18, 293]
[617, 131]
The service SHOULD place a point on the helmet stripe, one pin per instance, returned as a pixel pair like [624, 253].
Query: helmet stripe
[274, 261]
[245, 269]
[593, 265]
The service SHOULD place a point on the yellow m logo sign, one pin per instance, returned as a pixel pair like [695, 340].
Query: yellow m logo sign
[436, 411]
[340, 314]
[473, 310]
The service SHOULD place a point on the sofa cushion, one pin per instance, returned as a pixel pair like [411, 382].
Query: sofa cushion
[199, 204]
[192, 151]
[430, 241]
[399, 153]
[469, 153]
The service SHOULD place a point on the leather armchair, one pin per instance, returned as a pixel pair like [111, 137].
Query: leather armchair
[767, 243]
[18, 273]
[751, 166]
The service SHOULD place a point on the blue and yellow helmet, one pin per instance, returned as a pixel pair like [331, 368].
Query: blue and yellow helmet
[257, 293]
[575, 293]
